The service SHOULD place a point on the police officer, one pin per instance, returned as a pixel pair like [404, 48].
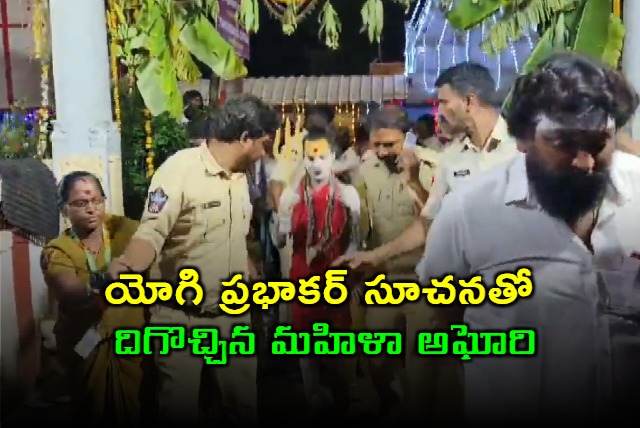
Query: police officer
[466, 94]
[396, 187]
[198, 215]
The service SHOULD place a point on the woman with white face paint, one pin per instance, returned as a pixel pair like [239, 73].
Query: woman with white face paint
[322, 216]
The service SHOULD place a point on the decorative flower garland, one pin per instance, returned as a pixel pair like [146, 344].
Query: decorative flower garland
[40, 31]
[148, 143]
[113, 47]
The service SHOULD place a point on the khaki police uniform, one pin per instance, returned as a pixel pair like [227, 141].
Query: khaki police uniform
[462, 161]
[392, 209]
[198, 215]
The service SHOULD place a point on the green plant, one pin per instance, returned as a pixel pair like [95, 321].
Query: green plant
[19, 135]
[157, 39]
[585, 26]
[168, 137]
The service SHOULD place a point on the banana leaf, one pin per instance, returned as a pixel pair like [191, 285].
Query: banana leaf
[466, 14]
[615, 41]
[205, 42]
[593, 29]
[158, 85]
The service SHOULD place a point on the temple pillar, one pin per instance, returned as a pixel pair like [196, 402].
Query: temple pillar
[85, 137]
[630, 57]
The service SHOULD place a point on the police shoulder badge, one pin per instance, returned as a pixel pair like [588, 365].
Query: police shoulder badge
[157, 201]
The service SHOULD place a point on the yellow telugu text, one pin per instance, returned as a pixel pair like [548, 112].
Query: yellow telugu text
[237, 297]
[508, 287]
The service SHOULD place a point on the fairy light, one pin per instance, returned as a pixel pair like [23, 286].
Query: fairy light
[415, 11]
[499, 59]
[467, 44]
[421, 34]
[413, 28]
[426, 20]
[438, 45]
[353, 123]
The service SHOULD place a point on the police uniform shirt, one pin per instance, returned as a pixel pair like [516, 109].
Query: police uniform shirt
[462, 161]
[392, 207]
[496, 225]
[198, 215]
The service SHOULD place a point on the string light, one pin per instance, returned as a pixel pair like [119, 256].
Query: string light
[467, 45]
[415, 11]
[353, 123]
[420, 28]
[427, 22]
[439, 60]
[499, 59]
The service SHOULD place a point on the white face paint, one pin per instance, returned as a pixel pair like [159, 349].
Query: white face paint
[319, 168]
[318, 161]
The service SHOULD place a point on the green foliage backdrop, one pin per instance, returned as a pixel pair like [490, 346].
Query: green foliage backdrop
[168, 137]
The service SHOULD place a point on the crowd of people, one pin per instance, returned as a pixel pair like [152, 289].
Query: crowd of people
[546, 185]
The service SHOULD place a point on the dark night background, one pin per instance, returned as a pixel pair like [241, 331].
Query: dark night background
[303, 53]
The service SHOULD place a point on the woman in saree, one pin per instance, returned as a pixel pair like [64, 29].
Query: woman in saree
[105, 387]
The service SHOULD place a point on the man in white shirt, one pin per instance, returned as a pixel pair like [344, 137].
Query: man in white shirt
[568, 210]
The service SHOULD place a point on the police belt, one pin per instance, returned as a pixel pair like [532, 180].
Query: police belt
[193, 311]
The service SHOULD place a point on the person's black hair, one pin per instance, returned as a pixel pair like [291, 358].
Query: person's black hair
[198, 129]
[429, 121]
[388, 117]
[469, 78]
[316, 114]
[190, 95]
[362, 136]
[193, 112]
[572, 90]
[320, 133]
[243, 115]
[69, 181]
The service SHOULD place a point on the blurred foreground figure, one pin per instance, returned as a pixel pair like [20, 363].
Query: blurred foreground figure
[567, 209]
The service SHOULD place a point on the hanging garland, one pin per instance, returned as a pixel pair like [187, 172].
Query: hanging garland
[40, 30]
[148, 144]
[121, 9]
[113, 47]
[290, 13]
